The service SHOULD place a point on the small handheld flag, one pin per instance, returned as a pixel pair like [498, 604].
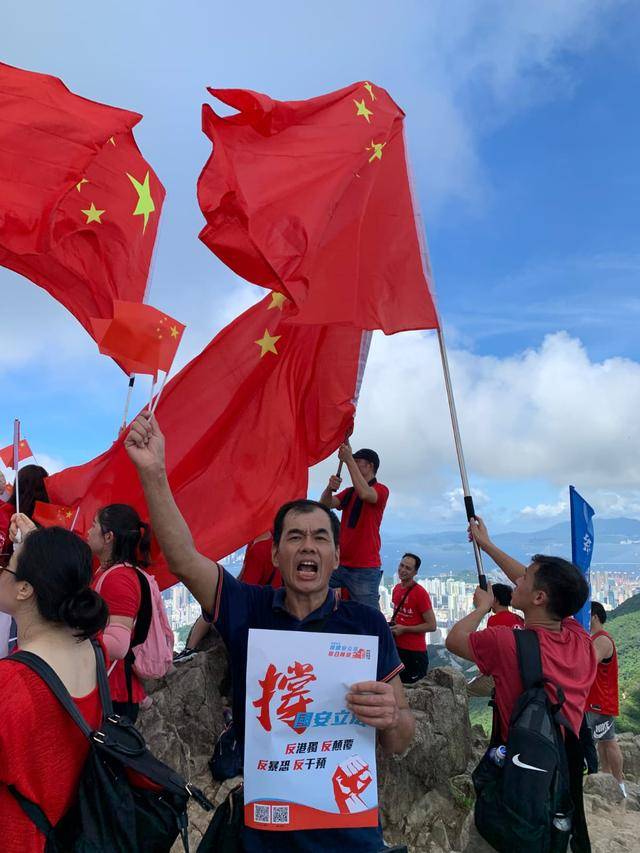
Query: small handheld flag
[582, 540]
[7, 454]
[53, 515]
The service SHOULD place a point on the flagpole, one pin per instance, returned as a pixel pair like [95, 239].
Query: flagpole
[16, 465]
[155, 402]
[365, 345]
[132, 379]
[16, 460]
[426, 268]
[75, 518]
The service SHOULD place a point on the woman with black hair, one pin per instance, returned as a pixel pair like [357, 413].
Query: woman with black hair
[121, 541]
[47, 589]
[31, 488]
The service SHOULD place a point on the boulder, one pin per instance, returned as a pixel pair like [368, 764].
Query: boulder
[630, 746]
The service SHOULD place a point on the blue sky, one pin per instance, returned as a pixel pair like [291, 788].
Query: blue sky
[524, 135]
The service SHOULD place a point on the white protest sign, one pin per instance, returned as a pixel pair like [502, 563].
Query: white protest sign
[308, 762]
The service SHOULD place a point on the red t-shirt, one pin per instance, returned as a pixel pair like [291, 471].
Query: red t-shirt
[258, 568]
[42, 753]
[360, 545]
[121, 591]
[568, 660]
[414, 605]
[603, 696]
[505, 619]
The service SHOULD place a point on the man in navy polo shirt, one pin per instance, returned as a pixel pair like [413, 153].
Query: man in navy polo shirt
[305, 549]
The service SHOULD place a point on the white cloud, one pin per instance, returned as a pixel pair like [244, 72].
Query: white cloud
[548, 414]
[545, 510]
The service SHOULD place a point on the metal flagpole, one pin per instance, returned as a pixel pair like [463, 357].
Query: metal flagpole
[426, 268]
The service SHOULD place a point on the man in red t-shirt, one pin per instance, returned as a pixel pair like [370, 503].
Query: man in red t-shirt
[602, 703]
[501, 614]
[548, 591]
[413, 617]
[362, 507]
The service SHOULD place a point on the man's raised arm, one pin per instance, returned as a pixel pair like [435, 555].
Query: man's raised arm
[512, 568]
[145, 447]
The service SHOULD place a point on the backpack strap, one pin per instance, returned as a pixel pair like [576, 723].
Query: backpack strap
[140, 629]
[528, 650]
[398, 606]
[33, 812]
[53, 682]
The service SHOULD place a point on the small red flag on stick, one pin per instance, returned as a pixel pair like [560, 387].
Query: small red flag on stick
[140, 338]
[24, 452]
[53, 515]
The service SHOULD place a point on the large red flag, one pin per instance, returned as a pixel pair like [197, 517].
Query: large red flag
[79, 205]
[313, 198]
[243, 422]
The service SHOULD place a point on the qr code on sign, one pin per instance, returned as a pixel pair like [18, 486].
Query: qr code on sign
[261, 814]
[280, 814]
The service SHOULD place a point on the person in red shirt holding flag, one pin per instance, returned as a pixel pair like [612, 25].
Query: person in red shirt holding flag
[548, 591]
[500, 608]
[602, 703]
[412, 619]
[362, 508]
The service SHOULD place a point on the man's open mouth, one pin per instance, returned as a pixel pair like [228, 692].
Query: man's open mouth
[307, 567]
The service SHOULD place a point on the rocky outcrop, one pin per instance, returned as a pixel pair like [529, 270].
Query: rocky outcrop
[426, 795]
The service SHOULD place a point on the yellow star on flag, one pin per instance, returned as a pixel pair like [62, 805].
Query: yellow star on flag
[369, 89]
[268, 343]
[174, 331]
[68, 513]
[81, 182]
[376, 147]
[277, 301]
[112, 140]
[363, 110]
[93, 215]
[145, 204]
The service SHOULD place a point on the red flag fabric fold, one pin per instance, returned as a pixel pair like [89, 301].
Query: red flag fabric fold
[79, 205]
[313, 198]
[243, 421]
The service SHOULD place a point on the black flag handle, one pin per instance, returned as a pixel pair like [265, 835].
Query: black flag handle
[471, 514]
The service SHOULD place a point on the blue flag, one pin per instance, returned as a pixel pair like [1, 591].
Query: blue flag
[582, 546]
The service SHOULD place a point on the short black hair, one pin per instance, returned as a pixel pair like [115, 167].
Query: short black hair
[302, 506]
[564, 583]
[502, 593]
[598, 611]
[415, 557]
[369, 456]
[58, 565]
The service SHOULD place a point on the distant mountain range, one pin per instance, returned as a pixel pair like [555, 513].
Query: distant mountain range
[616, 547]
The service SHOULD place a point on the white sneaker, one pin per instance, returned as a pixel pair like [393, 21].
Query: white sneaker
[623, 788]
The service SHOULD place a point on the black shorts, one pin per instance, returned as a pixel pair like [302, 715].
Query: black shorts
[416, 665]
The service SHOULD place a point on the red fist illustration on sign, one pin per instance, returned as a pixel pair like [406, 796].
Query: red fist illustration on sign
[350, 779]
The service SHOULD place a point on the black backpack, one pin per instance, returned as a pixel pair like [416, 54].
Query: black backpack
[533, 803]
[227, 760]
[112, 813]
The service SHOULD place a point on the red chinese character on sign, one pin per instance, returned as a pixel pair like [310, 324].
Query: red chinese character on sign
[294, 697]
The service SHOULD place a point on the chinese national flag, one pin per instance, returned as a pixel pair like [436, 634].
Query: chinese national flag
[313, 199]
[79, 205]
[139, 337]
[24, 452]
[53, 515]
[243, 422]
